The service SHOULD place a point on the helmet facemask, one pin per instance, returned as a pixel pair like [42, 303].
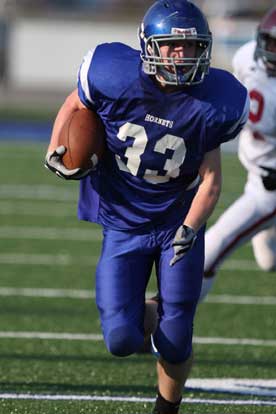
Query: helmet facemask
[268, 57]
[177, 70]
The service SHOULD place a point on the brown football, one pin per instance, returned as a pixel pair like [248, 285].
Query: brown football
[83, 136]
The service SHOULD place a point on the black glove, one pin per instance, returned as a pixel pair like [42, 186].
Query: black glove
[183, 241]
[53, 162]
[269, 180]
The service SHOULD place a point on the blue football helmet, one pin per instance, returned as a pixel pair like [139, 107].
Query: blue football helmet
[170, 21]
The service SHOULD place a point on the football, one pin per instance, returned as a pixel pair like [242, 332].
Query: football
[83, 136]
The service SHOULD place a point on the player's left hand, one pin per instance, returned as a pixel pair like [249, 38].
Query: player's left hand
[183, 241]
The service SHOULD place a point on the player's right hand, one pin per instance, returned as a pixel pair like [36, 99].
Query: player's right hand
[183, 241]
[269, 179]
[53, 162]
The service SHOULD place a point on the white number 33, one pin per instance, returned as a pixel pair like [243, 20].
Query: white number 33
[133, 153]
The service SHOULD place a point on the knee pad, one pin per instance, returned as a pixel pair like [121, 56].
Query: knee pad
[173, 340]
[124, 340]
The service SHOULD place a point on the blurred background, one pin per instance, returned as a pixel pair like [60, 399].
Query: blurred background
[42, 42]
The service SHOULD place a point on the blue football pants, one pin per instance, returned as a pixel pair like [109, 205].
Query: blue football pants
[122, 276]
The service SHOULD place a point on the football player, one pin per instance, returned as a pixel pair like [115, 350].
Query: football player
[165, 118]
[253, 215]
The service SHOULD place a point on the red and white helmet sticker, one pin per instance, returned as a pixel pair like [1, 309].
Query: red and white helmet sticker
[191, 31]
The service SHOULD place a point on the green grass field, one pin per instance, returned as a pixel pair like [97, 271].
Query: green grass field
[52, 357]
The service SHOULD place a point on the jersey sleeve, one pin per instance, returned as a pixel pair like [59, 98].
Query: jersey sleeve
[85, 81]
[106, 72]
[229, 122]
[233, 130]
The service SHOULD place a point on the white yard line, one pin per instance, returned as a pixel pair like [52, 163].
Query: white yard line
[61, 209]
[242, 386]
[90, 294]
[38, 192]
[46, 259]
[50, 233]
[11, 258]
[48, 293]
[234, 341]
[86, 235]
[241, 300]
[240, 265]
[58, 192]
[68, 397]
[67, 336]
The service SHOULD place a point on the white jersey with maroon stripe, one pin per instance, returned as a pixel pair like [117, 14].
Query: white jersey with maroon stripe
[253, 215]
[257, 142]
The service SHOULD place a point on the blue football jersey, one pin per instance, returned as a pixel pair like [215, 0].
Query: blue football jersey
[156, 140]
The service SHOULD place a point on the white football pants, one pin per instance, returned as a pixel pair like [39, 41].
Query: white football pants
[250, 217]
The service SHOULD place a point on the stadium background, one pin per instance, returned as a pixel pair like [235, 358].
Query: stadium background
[42, 42]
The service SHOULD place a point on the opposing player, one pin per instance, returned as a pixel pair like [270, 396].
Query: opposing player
[165, 118]
[253, 215]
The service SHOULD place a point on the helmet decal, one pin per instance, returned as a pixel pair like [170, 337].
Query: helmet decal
[185, 32]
